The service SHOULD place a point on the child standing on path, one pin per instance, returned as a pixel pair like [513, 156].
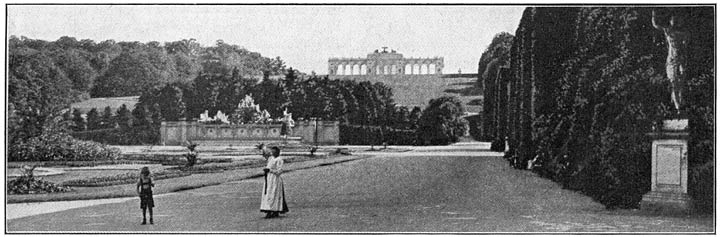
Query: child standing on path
[144, 189]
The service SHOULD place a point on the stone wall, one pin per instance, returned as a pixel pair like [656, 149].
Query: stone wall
[328, 132]
[182, 132]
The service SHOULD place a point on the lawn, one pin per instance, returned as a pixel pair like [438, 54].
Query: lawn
[199, 176]
[418, 90]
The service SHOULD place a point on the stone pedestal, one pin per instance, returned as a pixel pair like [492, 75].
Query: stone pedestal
[668, 192]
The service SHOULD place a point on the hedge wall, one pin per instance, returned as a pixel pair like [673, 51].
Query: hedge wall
[121, 136]
[372, 135]
[586, 85]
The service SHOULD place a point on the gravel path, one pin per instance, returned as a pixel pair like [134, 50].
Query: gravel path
[419, 191]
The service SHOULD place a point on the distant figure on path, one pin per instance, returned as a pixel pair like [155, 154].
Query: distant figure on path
[273, 196]
[144, 189]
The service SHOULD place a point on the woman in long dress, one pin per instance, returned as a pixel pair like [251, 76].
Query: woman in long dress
[273, 196]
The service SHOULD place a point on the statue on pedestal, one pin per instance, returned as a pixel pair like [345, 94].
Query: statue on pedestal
[669, 187]
[287, 123]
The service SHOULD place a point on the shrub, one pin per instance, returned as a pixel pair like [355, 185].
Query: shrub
[191, 156]
[171, 159]
[441, 122]
[122, 136]
[701, 177]
[127, 178]
[372, 135]
[60, 147]
[28, 184]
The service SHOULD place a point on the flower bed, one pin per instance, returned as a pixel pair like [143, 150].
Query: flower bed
[32, 185]
[218, 167]
[127, 178]
[77, 163]
[171, 159]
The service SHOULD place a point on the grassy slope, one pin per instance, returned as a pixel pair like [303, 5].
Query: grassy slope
[418, 90]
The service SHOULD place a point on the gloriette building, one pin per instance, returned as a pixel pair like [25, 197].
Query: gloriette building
[384, 63]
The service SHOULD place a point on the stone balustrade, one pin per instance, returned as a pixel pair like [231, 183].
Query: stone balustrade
[182, 132]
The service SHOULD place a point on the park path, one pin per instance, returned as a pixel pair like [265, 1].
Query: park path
[459, 188]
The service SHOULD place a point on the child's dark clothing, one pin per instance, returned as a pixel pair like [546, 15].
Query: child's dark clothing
[146, 196]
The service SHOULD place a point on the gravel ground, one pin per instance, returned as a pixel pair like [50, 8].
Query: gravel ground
[405, 192]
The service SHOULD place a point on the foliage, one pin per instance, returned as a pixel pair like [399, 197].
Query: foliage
[136, 69]
[142, 116]
[587, 84]
[54, 144]
[37, 91]
[110, 69]
[108, 119]
[32, 185]
[373, 135]
[701, 178]
[127, 178]
[191, 156]
[93, 119]
[81, 124]
[139, 135]
[124, 117]
[441, 122]
[360, 103]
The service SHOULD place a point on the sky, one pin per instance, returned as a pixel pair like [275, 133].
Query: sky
[304, 36]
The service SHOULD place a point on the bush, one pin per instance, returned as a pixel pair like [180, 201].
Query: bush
[441, 122]
[371, 135]
[701, 177]
[28, 184]
[24, 185]
[171, 159]
[60, 147]
[127, 178]
[122, 136]
[191, 156]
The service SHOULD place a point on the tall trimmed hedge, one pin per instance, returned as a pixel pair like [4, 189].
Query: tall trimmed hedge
[586, 85]
[373, 135]
[121, 136]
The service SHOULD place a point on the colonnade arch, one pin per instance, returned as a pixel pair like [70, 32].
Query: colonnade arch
[385, 63]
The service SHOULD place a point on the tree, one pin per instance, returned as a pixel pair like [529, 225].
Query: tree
[108, 120]
[157, 117]
[93, 120]
[37, 90]
[142, 116]
[414, 118]
[441, 122]
[79, 123]
[171, 104]
[269, 95]
[186, 55]
[124, 117]
[135, 70]
[77, 68]
[402, 118]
